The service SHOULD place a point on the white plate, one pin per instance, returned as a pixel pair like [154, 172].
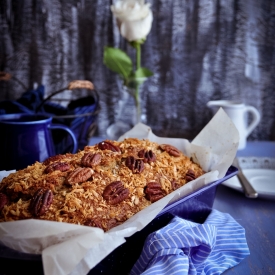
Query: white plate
[261, 174]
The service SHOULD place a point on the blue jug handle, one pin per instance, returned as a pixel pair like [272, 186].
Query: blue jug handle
[75, 143]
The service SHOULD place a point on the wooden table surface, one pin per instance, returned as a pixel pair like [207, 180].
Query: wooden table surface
[257, 216]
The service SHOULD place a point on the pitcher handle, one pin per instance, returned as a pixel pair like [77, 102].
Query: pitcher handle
[70, 132]
[255, 119]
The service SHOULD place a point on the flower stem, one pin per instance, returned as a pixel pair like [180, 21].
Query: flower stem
[138, 56]
[137, 99]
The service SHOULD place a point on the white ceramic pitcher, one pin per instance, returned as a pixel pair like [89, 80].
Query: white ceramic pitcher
[238, 112]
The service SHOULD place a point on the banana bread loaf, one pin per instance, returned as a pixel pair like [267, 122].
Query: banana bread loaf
[102, 185]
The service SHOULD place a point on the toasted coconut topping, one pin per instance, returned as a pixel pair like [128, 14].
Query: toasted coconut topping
[101, 186]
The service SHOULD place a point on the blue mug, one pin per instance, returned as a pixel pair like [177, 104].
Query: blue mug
[27, 138]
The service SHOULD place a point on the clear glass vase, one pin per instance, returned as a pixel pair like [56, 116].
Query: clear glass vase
[128, 113]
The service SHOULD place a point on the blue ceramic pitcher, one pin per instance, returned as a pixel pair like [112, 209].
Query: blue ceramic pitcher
[27, 138]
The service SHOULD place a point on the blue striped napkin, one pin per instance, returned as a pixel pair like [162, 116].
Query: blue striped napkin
[184, 247]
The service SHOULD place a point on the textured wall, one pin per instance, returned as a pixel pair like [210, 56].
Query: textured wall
[198, 50]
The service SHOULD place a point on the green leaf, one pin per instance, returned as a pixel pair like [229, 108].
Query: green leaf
[137, 42]
[143, 72]
[118, 61]
[138, 77]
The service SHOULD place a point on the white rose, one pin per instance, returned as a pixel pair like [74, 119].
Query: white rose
[134, 18]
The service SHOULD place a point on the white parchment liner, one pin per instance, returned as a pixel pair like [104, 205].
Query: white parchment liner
[75, 249]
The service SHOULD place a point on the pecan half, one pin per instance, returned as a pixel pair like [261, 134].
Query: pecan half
[79, 175]
[3, 200]
[93, 223]
[153, 191]
[54, 159]
[41, 201]
[147, 156]
[61, 166]
[171, 150]
[190, 175]
[136, 165]
[107, 145]
[91, 159]
[175, 185]
[115, 192]
[112, 223]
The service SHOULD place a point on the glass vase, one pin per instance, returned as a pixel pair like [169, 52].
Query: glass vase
[128, 113]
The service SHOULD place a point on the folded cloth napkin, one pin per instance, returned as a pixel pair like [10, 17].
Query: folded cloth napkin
[184, 247]
[27, 103]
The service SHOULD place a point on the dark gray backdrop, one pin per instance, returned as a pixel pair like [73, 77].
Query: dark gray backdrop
[199, 50]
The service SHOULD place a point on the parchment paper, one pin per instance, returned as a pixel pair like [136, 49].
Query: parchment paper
[75, 249]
